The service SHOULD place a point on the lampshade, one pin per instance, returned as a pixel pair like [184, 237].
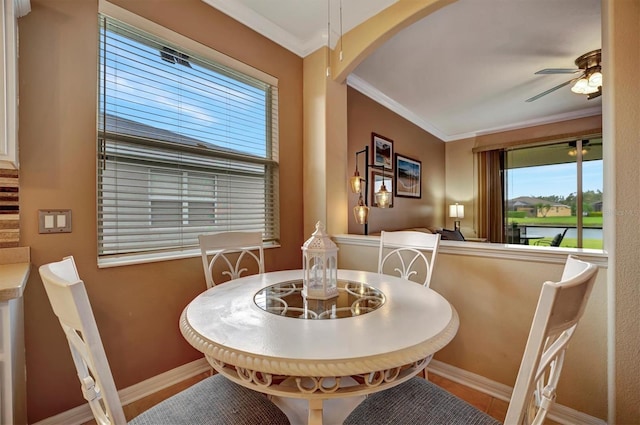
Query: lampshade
[582, 86]
[456, 211]
[361, 211]
[356, 182]
[383, 197]
[590, 89]
[595, 79]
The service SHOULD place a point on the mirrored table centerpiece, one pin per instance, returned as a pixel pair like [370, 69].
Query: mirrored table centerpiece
[286, 299]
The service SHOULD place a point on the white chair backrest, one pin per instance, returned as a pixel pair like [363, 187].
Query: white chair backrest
[560, 307]
[403, 253]
[216, 247]
[70, 303]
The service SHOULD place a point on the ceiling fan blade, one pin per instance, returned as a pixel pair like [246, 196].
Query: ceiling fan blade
[552, 89]
[557, 71]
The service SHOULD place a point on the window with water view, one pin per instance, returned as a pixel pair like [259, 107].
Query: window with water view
[553, 194]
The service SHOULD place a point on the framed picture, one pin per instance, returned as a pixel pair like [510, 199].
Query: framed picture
[377, 177]
[382, 151]
[408, 177]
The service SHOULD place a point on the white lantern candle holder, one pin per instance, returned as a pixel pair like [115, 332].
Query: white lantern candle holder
[320, 266]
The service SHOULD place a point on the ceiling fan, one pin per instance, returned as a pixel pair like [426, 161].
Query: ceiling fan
[589, 81]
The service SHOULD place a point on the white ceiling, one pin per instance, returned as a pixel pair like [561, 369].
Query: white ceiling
[464, 70]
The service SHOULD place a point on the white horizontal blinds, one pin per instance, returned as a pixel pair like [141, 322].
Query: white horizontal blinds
[186, 146]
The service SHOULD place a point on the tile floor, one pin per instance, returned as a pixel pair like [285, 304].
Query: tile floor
[490, 405]
[494, 407]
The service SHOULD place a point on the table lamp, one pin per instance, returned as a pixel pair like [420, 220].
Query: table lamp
[456, 211]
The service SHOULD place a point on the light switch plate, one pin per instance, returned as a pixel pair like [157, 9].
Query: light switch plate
[54, 221]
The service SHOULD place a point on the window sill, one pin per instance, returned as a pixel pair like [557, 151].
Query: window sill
[494, 250]
[143, 258]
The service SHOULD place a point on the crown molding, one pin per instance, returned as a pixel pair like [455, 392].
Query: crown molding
[275, 33]
[375, 94]
[583, 113]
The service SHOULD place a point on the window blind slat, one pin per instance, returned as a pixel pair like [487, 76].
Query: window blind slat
[186, 146]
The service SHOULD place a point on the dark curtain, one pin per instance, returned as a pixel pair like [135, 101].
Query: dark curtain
[491, 200]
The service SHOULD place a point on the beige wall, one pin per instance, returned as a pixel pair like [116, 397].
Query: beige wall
[325, 135]
[495, 299]
[621, 117]
[137, 307]
[365, 116]
[461, 184]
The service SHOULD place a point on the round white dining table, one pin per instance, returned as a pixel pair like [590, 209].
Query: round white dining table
[319, 359]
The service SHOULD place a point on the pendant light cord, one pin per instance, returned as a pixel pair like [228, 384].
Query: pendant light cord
[328, 38]
[341, 33]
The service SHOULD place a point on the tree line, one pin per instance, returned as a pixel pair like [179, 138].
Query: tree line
[590, 199]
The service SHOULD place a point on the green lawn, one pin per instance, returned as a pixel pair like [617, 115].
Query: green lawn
[557, 221]
[573, 243]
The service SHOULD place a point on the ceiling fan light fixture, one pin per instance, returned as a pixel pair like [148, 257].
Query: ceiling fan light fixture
[588, 83]
[573, 148]
[591, 81]
[574, 151]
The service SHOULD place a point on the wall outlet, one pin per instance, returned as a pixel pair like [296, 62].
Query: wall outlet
[54, 221]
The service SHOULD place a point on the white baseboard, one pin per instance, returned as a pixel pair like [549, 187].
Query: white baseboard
[559, 413]
[81, 414]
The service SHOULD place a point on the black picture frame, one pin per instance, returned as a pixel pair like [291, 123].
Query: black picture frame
[382, 149]
[408, 172]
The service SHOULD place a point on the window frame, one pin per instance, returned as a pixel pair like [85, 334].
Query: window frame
[271, 169]
[486, 158]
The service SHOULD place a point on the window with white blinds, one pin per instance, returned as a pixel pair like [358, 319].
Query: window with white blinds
[186, 145]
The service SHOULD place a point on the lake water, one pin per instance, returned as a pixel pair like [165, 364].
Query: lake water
[587, 232]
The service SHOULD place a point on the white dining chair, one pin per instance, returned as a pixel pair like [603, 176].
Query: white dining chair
[214, 400]
[409, 254]
[239, 252]
[560, 307]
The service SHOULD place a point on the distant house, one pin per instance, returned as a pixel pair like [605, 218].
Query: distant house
[536, 207]
[554, 210]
